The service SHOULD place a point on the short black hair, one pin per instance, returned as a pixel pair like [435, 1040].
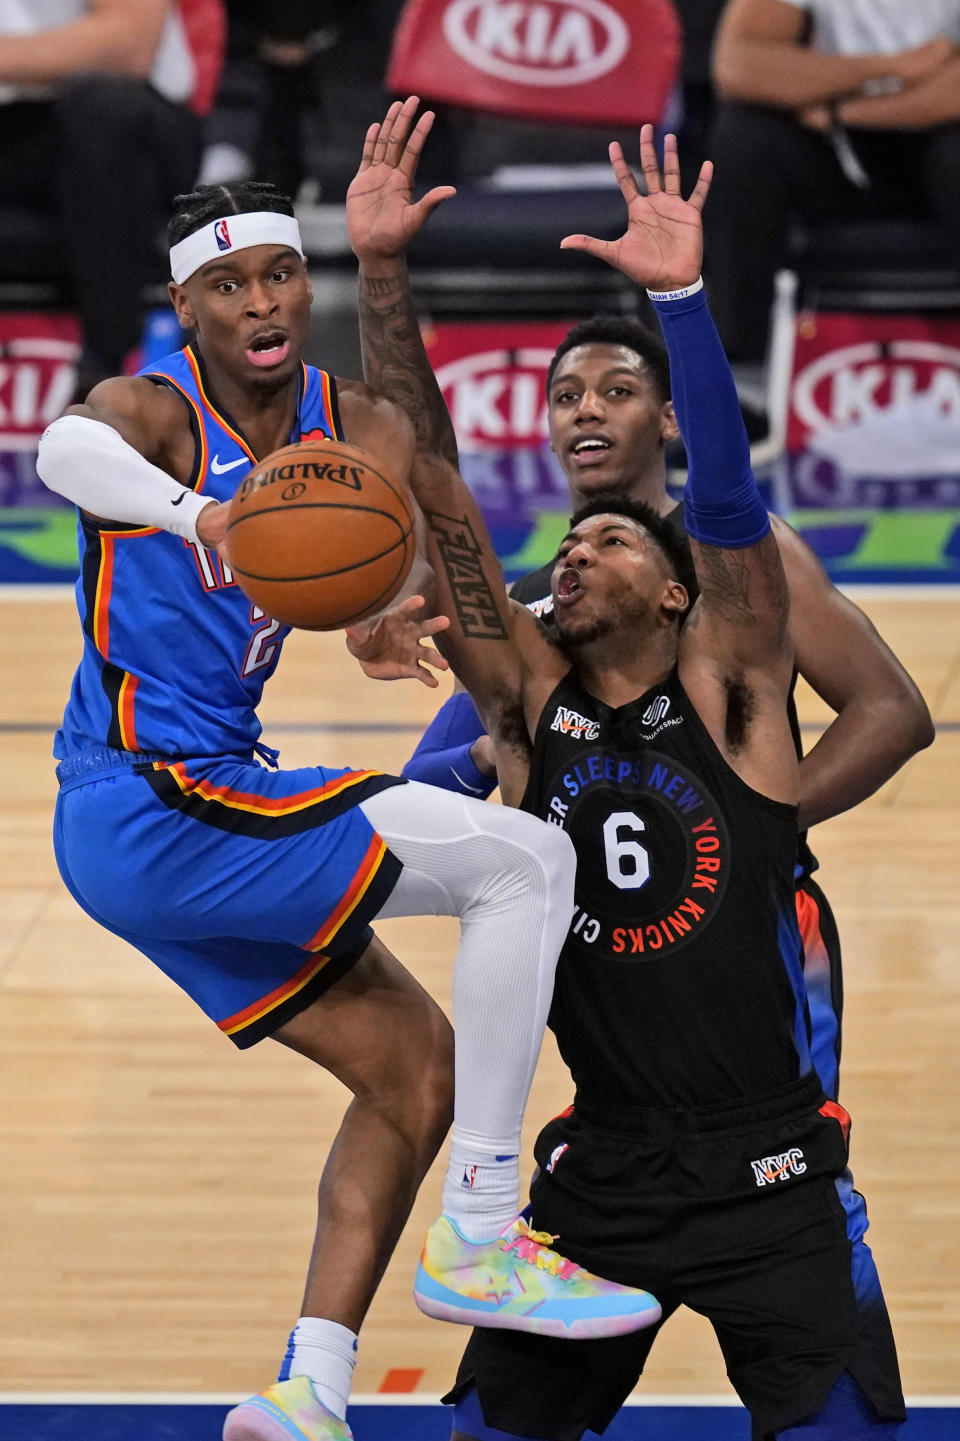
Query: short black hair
[661, 532]
[210, 202]
[624, 330]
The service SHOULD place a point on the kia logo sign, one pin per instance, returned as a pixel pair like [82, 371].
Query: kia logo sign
[538, 42]
[37, 382]
[858, 382]
[496, 398]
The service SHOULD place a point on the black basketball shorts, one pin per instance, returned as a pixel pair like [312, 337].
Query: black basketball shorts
[738, 1213]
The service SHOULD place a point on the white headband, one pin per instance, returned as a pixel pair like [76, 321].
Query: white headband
[233, 232]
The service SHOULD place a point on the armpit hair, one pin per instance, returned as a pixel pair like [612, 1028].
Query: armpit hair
[512, 730]
[741, 709]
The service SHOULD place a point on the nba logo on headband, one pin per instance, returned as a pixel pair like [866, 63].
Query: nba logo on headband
[246, 229]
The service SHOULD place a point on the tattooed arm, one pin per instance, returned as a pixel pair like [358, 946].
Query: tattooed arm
[494, 645]
[394, 359]
[382, 220]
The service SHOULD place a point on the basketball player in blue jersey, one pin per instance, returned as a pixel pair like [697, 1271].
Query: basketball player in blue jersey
[702, 1149]
[253, 888]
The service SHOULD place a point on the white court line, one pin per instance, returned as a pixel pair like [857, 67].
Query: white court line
[862, 590]
[40, 591]
[214, 1398]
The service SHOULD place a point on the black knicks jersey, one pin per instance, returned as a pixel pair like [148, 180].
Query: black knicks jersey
[680, 981]
[533, 591]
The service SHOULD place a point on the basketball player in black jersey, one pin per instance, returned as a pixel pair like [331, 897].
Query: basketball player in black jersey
[611, 418]
[702, 1152]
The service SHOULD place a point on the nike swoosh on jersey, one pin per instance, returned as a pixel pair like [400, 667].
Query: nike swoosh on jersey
[475, 790]
[219, 469]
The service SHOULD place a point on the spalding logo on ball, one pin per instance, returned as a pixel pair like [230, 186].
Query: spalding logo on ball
[320, 535]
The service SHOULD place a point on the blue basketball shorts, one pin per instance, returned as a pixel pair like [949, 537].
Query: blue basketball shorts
[252, 889]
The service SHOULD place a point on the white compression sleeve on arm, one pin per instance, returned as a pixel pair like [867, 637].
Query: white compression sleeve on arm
[91, 464]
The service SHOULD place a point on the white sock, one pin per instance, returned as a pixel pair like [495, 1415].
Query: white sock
[327, 1353]
[480, 1189]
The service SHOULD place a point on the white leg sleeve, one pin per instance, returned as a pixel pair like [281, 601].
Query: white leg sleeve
[509, 877]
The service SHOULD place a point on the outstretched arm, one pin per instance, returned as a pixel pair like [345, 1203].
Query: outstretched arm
[744, 597]
[382, 219]
[882, 719]
[734, 658]
[125, 457]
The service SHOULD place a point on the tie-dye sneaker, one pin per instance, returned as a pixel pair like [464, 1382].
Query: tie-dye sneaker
[288, 1411]
[517, 1283]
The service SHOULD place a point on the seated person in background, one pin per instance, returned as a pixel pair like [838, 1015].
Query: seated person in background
[830, 111]
[100, 121]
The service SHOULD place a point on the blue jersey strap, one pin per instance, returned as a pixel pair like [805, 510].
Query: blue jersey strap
[722, 505]
[443, 756]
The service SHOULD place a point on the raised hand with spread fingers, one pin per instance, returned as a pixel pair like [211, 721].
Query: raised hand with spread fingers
[382, 219]
[662, 246]
[382, 216]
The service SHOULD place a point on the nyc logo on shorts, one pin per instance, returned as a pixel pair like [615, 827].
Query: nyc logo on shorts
[770, 1169]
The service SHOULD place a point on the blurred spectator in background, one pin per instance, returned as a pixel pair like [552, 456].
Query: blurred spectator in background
[699, 21]
[288, 39]
[830, 111]
[100, 123]
[301, 80]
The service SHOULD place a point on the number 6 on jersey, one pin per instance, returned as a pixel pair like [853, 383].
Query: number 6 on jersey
[628, 862]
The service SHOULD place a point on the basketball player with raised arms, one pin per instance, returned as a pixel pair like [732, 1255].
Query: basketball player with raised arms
[253, 888]
[610, 419]
[701, 1151]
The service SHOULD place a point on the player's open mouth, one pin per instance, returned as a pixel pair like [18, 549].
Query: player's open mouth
[270, 348]
[569, 586]
[590, 449]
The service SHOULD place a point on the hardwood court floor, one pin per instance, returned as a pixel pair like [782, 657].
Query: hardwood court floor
[157, 1194]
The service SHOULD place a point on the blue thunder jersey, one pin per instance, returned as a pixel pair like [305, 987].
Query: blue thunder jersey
[175, 656]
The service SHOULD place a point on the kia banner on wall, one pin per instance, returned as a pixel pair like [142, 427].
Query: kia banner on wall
[38, 353]
[872, 471]
[596, 62]
[877, 398]
[493, 378]
[38, 531]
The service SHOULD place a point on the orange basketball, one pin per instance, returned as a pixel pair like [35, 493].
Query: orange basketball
[320, 535]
